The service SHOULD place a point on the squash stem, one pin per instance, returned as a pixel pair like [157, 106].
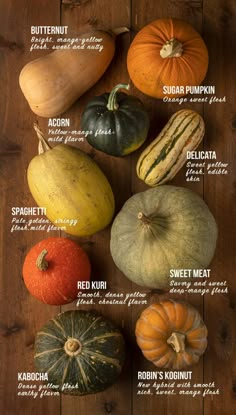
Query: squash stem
[41, 262]
[43, 144]
[145, 219]
[112, 103]
[171, 49]
[177, 342]
[72, 346]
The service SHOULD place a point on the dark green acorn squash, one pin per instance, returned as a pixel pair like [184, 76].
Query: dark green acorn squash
[80, 351]
[117, 123]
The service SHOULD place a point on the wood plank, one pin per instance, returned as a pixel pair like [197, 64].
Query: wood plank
[116, 398]
[220, 310]
[21, 314]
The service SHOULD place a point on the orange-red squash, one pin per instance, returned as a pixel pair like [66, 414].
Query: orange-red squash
[52, 268]
[167, 52]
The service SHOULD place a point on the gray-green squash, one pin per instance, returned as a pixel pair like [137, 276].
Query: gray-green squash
[81, 351]
[163, 228]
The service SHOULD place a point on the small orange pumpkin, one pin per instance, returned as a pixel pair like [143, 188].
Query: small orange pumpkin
[167, 52]
[52, 269]
[171, 334]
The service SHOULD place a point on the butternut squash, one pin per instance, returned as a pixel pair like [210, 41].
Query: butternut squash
[52, 83]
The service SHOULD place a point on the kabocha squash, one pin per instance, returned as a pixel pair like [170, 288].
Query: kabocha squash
[81, 351]
[117, 123]
[171, 334]
[52, 269]
[165, 156]
[163, 228]
[72, 188]
[52, 83]
[167, 52]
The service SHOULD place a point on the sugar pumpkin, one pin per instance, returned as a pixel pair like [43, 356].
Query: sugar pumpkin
[163, 228]
[81, 351]
[52, 269]
[171, 334]
[167, 52]
[73, 189]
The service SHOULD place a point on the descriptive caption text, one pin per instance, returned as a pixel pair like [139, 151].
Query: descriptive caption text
[173, 383]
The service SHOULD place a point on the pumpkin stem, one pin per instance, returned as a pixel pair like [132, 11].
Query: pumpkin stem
[41, 262]
[72, 346]
[112, 103]
[145, 219]
[43, 144]
[177, 341]
[171, 49]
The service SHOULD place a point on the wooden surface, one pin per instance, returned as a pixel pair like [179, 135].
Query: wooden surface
[22, 315]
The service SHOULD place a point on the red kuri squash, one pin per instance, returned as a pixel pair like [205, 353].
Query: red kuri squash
[52, 268]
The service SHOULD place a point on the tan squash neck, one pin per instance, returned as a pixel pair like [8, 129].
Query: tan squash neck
[177, 341]
[171, 49]
[72, 347]
[119, 30]
[41, 262]
[43, 144]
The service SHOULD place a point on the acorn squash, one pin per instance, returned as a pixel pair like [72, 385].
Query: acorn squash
[117, 123]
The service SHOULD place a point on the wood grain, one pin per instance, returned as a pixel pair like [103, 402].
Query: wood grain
[219, 193]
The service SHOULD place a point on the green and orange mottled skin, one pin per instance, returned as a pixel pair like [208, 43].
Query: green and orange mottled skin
[117, 123]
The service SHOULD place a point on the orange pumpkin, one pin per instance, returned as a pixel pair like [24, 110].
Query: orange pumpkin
[167, 52]
[171, 334]
[52, 268]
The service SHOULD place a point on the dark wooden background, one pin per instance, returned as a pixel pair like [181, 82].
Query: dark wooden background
[21, 314]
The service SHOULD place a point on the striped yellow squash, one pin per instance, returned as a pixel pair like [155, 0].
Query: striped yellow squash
[165, 156]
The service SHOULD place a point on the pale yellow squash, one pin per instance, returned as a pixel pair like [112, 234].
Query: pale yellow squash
[68, 183]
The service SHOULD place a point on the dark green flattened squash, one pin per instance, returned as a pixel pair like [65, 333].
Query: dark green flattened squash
[116, 123]
[80, 349]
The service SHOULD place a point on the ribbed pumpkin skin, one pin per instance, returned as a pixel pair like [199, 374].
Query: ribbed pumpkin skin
[178, 232]
[71, 186]
[97, 364]
[129, 124]
[157, 323]
[52, 83]
[67, 262]
[150, 72]
[165, 156]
